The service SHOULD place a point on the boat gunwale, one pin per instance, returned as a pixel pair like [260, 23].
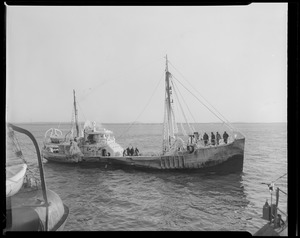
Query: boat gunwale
[61, 223]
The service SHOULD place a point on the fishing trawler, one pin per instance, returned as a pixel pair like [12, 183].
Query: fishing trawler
[30, 206]
[196, 153]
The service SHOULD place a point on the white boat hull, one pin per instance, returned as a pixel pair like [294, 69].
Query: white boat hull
[14, 178]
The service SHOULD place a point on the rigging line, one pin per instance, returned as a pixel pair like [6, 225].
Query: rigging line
[226, 124]
[187, 108]
[18, 147]
[182, 128]
[166, 131]
[134, 122]
[182, 108]
[200, 94]
[116, 78]
[224, 120]
[275, 180]
[190, 126]
[31, 150]
[165, 116]
[197, 91]
[279, 178]
[199, 100]
[81, 111]
[181, 125]
[173, 120]
[174, 117]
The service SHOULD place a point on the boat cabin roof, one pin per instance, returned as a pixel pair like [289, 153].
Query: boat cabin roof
[95, 133]
[106, 132]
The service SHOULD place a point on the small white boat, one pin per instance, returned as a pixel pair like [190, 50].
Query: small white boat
[14, 178]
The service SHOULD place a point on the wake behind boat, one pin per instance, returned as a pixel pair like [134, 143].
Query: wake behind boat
[198, 152]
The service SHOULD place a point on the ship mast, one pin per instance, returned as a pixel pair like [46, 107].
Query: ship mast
[169, 120]
[76, 116]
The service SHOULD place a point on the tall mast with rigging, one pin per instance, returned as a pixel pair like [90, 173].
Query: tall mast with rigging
[169, 120]
[76, 115]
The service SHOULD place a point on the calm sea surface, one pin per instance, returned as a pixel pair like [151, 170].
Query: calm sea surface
[113, 198]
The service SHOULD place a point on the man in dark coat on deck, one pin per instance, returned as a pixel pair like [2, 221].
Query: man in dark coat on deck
[213, 137]
[225, 137]
[128, 151]
[205, 138]
[132, 151]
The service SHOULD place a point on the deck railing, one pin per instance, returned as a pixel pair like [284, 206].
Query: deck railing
[277, 217]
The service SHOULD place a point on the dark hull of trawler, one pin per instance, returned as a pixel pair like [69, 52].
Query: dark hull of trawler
[226, 157]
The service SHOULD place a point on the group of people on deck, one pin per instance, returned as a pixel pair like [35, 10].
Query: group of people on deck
[131, 152]
[215, 139]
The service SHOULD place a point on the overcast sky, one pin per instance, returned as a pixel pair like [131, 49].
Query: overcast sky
[235, 56]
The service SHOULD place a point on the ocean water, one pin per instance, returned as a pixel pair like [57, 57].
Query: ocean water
[104, 198]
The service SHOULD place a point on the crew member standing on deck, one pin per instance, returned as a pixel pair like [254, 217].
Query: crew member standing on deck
[218, 137]
[225, 137]
[136, 151]
[213, 137]
[205, 138]
[128, 151]
[132, 151]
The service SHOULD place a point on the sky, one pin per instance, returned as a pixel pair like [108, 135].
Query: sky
[114, 59]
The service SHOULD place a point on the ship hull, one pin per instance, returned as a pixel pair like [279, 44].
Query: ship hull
[226, 157]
